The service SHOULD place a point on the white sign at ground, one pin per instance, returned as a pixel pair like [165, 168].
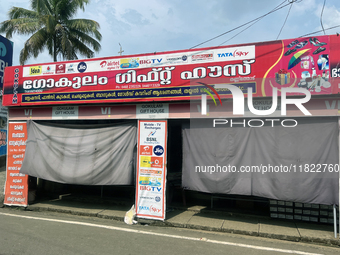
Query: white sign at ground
[151, 169]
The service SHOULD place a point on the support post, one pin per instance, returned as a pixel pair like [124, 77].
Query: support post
[334, 216]
[339, 173]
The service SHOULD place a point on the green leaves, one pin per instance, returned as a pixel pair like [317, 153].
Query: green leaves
[51, 27]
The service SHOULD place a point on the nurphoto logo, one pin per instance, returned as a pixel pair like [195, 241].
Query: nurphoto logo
[238, 104]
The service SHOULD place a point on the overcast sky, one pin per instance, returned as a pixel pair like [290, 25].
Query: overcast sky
[165, 25]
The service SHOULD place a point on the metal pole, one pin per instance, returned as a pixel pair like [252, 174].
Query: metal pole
[334, 216]
[339, 171]
[339, 174]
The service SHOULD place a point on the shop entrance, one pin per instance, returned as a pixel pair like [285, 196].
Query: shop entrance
[175, 193]
[120, 191]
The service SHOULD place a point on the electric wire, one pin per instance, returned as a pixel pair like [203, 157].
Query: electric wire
[318, 31]
[249, 25]
[239, 33]
[284, 23]
[289, 3]
[321, 16]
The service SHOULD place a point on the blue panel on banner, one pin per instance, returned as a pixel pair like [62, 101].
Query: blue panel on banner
[6, 57]
[3, 142]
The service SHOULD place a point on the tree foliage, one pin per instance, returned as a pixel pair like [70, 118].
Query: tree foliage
[50, 26]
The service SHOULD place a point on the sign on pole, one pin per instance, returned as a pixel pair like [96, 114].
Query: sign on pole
[3, 129]
[16, 191]
[151, 169]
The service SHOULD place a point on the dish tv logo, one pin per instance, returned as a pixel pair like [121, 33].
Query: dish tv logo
[238, 105]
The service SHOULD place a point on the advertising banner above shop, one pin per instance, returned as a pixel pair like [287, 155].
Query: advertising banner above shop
[310, 63]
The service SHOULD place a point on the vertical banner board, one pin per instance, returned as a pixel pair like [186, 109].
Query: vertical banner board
[6, 57]
[16, 190]
[151, 169]
[3, 129]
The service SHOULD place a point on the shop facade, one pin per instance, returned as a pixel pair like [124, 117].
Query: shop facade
[80, 122]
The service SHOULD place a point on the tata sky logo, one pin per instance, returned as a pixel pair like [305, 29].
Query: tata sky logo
[82, 67]
[158, 150]
[236, 53]
[150, 208]
[154, 209]
[238, 104]
[144, 208]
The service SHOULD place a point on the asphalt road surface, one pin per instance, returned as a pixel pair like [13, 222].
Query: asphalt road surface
[27, 232]
[2, 183]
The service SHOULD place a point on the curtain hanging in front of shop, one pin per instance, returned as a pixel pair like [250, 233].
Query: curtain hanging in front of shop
[297, 164]
[87, 155]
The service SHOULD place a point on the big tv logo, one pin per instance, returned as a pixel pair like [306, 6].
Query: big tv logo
[238, 103]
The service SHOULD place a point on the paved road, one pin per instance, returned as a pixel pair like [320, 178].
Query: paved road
[2, 183]
[27, 232]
